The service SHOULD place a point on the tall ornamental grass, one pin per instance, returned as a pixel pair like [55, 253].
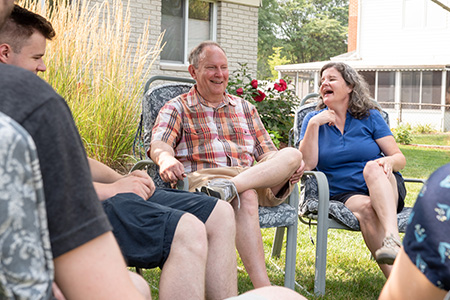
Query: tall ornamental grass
[93, 65]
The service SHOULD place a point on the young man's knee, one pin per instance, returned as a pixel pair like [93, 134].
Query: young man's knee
[222, 219]
[190, 235]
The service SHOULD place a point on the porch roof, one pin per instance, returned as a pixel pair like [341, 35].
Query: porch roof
[366, 65]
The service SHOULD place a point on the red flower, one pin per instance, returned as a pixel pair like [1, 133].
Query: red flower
[240, 91]
[254, 83]
[280, 87]
[260, 97]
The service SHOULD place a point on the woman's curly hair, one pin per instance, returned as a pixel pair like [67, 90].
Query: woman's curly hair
[359, 104]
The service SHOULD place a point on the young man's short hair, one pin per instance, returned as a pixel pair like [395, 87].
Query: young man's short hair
[20, 25]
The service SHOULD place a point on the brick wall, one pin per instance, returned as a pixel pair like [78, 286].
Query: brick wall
[352, 25]
[237, 32]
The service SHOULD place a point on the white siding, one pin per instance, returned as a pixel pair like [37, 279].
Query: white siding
[383, 35]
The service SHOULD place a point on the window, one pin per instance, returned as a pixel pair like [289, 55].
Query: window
[431, 89]
[386, 89]
[369, 77]
[420, 88]
[186, 23]
[410, 90]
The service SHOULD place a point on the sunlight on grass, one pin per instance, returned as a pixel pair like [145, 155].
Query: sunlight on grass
[351, 271]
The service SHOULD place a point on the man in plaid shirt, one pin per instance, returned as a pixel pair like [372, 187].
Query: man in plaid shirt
[215, 138]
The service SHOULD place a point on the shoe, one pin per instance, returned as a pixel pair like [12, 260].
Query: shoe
[222, 189]
[389, 251]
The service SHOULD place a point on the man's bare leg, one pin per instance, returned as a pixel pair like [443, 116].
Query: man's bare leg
[183, 274]
[141, 284]
[221, 268]
[273, 173]
[248, 239]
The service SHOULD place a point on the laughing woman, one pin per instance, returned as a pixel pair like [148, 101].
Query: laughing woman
[349, 141]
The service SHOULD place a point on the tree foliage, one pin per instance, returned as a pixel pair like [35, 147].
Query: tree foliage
[306, 30]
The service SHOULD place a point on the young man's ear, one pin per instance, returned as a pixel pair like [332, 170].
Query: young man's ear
[5, 51]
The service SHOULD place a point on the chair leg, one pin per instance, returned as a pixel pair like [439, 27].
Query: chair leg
[291, 255]
[278, 242]
[321, 257]
[138, 270]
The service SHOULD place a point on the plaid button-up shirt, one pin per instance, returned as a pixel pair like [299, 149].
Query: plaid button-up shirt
[205, 137]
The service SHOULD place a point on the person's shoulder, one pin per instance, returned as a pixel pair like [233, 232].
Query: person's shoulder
[315, 112]
[15, 76]
[238, 101]
[23, 92]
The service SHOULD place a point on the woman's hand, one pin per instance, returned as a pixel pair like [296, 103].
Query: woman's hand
[387, 164]
[326, 116]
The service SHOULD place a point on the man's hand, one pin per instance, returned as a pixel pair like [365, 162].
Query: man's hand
[298, 174]
[137, 182]
[171, 170]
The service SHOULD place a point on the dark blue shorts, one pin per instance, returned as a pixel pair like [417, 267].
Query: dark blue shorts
[343, 197]
[427, 237]
[145, 229]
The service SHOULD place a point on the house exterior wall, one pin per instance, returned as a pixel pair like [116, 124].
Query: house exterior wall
[237, 32]
[384, 34]
[352, 25]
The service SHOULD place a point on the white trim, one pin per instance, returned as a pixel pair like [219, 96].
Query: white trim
[255, 3]
[443, 95]
[173, 66]
[214, 21]
[186, 31]
[397, 95]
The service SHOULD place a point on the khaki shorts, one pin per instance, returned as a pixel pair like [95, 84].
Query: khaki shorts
[265, 195]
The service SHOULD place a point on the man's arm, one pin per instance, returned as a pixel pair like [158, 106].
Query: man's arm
[108, 182]
[407, 282]
[170, 168]
[95, 270]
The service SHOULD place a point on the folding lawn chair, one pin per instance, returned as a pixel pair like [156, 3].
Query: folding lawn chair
[316, 205]
[282, 216]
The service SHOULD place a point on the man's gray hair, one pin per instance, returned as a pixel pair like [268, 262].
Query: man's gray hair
[194, 56]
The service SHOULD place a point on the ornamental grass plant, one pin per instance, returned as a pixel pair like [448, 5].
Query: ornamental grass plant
[94, 65]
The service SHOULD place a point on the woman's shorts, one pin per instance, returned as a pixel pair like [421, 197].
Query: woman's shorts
[145, 229]
[343, 197]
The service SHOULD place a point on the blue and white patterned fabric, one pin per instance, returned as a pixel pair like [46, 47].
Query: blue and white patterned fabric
[154, 99]
[427, 239]
[26, 265]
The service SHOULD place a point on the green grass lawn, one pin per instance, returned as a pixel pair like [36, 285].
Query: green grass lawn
[351, 272]
[441, 139]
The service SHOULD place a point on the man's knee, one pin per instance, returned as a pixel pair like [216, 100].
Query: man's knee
[249, 202]
[221, 222]
[190, 235]
[291, 157]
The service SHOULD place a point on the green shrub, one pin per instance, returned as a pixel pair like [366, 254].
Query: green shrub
[423, 128]
[91, 64]
[275, 102]
[402, 134]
